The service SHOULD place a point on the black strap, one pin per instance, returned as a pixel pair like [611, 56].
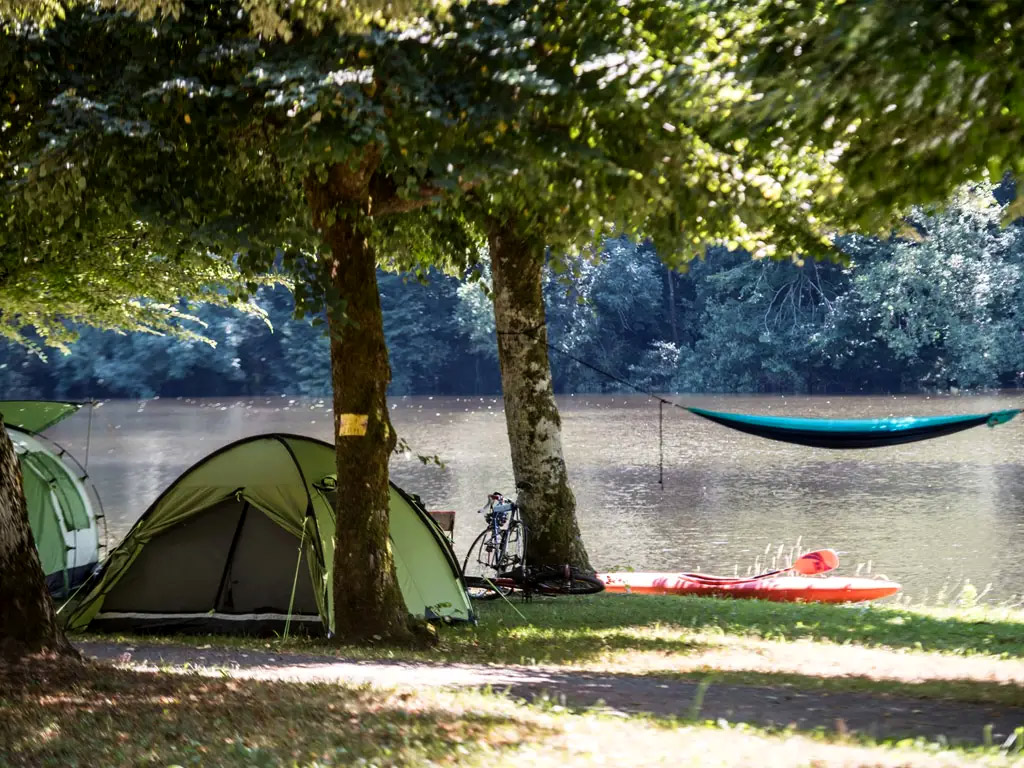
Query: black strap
[224, 590]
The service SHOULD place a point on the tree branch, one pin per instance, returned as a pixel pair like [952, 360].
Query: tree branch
[384, 199]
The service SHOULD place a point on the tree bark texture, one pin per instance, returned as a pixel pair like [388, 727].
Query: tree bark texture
[368, 602]
[534, 425]
[28, 623]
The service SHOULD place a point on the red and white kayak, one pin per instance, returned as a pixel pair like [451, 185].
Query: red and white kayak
[778, 588]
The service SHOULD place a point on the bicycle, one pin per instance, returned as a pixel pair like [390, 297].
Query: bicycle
[501, 549]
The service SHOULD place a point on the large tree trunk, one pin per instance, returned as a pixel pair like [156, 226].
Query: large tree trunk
[27, 620]
[368, 602]
[534, 426]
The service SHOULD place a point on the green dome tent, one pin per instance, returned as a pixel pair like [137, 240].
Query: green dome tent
[63, 509]
[244, 542]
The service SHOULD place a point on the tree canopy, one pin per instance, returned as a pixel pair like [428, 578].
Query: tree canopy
[467, 100]
[900, 315]
[267, 18]
[598, 116]
[920, 96]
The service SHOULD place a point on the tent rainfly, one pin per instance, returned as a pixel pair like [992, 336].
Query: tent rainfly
[243, 542]
[63, 508]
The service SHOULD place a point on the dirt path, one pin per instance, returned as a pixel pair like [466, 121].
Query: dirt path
[878, 716]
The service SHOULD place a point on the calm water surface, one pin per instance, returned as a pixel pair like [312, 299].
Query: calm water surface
[929, 514]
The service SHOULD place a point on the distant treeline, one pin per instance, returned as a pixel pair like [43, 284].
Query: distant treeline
[940, 307]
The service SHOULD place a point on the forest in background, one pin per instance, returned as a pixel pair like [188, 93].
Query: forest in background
[940, 307]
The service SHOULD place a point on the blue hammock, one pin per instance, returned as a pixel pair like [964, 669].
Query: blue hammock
[853, 433]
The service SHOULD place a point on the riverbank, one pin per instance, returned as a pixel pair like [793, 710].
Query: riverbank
[574, 680]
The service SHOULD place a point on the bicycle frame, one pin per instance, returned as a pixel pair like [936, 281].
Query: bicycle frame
[504, 521]
[500, 547]
[505, 530]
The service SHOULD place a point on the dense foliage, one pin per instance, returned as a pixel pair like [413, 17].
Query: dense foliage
[919, 95]
[901, 315]
[267, 18]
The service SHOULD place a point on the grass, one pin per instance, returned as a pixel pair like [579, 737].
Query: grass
[61, 714]
[974, 654]
[975, 631]
[568, 630]
[55, 713]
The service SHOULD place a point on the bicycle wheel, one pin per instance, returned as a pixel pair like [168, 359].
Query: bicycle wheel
[480, 554]
[481, 588]
[565, 580]
[513, 549]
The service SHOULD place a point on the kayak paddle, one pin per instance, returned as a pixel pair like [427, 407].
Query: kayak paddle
[818, 561]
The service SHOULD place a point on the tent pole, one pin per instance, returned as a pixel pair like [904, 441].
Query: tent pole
[88, 435]
[295, 579]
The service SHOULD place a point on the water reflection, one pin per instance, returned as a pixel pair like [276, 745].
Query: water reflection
[926, 514]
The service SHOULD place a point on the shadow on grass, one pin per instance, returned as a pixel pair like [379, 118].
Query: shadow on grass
[1003, 694]
[63, 713]
[493, 642]
[299, 665]
[569, 622]
[552, 646]
[880, 710]
[773, 706]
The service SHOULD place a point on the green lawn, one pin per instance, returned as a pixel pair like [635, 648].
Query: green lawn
[577, 630]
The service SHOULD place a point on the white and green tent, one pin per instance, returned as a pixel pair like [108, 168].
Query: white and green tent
[244, 542]
[63, 508]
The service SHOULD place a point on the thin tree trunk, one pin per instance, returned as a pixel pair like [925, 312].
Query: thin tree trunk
[28, 623]
[670, 281]
[534, 426]
[368, 602]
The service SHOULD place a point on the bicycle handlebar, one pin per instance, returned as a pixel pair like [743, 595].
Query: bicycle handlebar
[497, 497]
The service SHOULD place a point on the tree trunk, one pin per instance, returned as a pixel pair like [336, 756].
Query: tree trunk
[670, 281]
[28, 623]
[368, 603]
[534, 426]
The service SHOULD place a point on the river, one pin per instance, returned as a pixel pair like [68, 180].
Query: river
[931, 515]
